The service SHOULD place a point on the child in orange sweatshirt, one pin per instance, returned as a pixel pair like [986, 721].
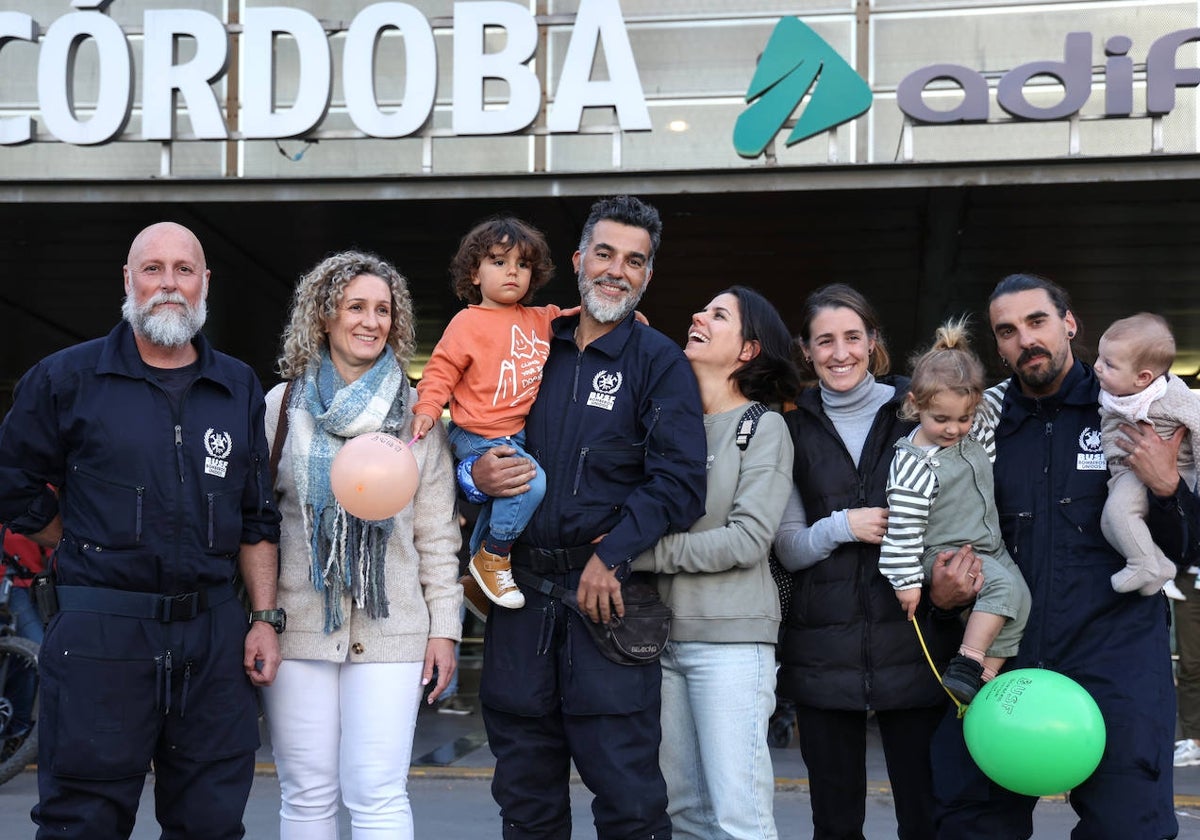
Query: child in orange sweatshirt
[488, 366]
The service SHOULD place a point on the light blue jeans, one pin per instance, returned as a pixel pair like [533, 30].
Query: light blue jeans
[716, 701]
[505, 517]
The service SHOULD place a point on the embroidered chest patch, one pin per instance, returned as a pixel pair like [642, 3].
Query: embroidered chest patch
[218, 445]
[1091, 454]
[605, 385]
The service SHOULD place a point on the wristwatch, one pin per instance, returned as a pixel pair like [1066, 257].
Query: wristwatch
[276, 618]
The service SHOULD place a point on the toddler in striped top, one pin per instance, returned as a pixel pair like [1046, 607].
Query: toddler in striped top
[940, 497]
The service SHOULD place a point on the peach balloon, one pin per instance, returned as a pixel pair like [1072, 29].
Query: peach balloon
[374, 476]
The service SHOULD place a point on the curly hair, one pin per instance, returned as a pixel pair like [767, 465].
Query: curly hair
[841, 296]
[949, 365]
[500, 233]
[317, 298]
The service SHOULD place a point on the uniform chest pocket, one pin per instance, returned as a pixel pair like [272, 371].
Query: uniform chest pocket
[1016, 529]
[222, 524]
[106, 512]
[605, 474]
[1080, 504]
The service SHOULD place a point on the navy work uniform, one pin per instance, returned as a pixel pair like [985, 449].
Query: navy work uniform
[161, 477]
[1051, 483]
[618, 430]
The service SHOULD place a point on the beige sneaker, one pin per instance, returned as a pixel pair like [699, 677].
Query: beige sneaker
[493, 573]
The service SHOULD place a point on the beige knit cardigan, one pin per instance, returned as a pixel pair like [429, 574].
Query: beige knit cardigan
[421, 565]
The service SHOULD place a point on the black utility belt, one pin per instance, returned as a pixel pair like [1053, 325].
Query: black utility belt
[165, 608]
[552, 561]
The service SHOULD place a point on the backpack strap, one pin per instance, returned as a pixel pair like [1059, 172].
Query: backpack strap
[748, 423]
[281, 430]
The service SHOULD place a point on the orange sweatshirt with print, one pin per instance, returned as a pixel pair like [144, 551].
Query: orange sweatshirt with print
[488, 366]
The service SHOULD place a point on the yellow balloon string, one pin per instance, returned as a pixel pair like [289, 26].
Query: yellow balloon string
[962, 707]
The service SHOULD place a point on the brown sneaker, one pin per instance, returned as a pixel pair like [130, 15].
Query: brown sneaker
[493, 573]
[474, 598]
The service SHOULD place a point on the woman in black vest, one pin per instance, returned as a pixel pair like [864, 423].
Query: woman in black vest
[847, 647]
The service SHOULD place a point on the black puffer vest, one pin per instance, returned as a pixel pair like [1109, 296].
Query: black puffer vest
[846, 641]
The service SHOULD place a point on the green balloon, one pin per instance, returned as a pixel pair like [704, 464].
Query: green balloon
[1034, 732]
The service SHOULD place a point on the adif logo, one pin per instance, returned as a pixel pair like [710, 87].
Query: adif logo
[796, 61]
[218, 445]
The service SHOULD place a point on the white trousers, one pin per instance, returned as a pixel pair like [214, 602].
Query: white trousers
[348, 728]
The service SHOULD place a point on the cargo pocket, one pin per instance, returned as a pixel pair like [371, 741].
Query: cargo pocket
[106, 725]
[101, 506]
[594, 685]
[520, 671]
[222, 522]
[215, 710]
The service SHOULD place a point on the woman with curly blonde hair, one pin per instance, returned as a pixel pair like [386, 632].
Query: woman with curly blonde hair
[317, 298]
[372, 606]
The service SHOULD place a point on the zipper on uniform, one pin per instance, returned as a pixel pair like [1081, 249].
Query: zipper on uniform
[167, 682]
[137, 528]
[211, 516]
[1025, 516]
[579, 470]
[575, 379]
[179, 450]
[187, 678]
[158, 683]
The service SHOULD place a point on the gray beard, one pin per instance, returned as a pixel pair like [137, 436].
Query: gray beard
[605, 311]
[168, 328]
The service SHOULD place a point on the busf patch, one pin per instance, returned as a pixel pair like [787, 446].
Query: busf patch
[1091, 453]
[605, 385]
[218, 445]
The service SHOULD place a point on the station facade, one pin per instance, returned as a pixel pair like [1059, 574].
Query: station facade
[917, 149]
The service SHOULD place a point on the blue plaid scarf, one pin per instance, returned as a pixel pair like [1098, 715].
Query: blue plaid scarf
[347, 552]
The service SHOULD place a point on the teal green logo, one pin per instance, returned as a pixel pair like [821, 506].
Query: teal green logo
[797, 63]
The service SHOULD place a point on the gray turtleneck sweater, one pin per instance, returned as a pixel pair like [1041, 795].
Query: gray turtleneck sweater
[798, 544]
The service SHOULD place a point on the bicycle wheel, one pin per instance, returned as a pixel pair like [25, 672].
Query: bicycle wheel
[18, 705]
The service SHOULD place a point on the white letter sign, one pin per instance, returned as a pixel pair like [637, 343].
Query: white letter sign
[599, 21]
[472, 65]
[420, 70]
[16, 26]
[260, 118]
[56, 83]
[161, 76]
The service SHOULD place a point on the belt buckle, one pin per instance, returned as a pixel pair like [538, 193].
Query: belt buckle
[181, 607]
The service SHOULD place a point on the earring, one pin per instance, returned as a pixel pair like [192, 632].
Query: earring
[1070, 334]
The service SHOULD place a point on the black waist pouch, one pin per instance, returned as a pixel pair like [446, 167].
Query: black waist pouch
[636, 638]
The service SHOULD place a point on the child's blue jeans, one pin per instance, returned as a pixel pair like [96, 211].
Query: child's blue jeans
[505, 517]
